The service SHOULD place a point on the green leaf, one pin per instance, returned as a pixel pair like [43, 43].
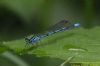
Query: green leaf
[84, 42]
[2, 48]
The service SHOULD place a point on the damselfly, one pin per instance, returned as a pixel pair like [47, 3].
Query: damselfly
[60, 26]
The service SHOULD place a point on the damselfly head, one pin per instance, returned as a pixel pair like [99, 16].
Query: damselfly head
[27, 40]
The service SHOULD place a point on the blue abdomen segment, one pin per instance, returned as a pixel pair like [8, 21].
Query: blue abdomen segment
[50, 33]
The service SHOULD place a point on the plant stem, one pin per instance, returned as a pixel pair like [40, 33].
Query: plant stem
[14, 58]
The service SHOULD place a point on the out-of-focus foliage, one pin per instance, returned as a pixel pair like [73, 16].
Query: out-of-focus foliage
[25, 8]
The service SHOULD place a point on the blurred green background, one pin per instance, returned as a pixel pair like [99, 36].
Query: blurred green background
[20, 18]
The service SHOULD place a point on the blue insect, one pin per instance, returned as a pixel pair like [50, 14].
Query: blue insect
[60, 26]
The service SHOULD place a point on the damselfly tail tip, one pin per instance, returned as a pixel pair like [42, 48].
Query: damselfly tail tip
[76, 24]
